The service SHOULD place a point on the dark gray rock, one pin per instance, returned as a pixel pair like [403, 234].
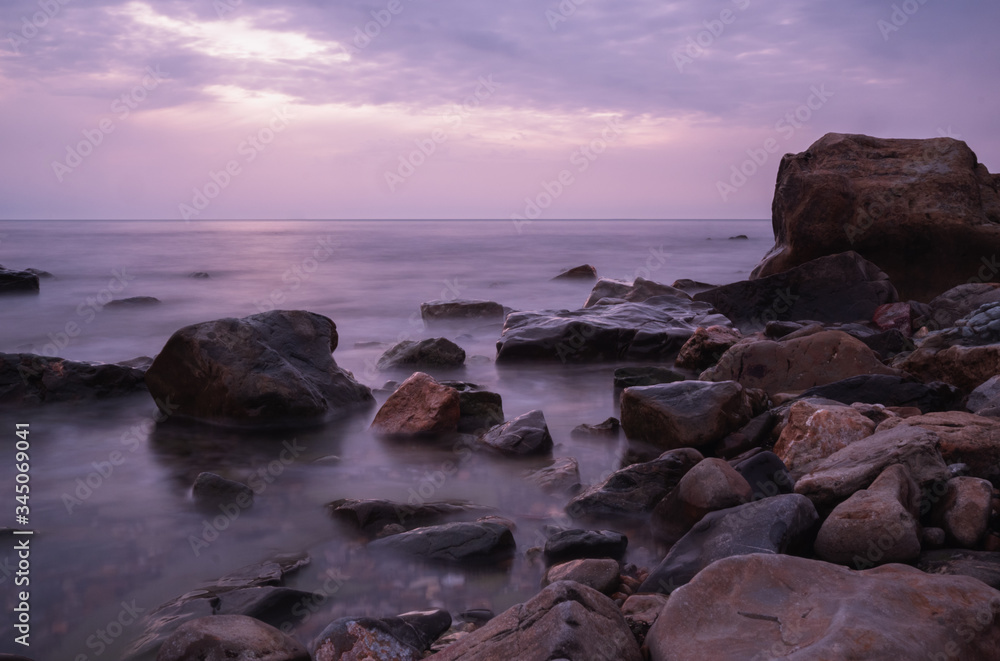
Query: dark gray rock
[583, 272]
[455, 543]
[211, 490]
[838, 288]
[270, 368]
[985, 400]
[628, 377]
[561, 478]
[753, 434]
[134, 301]
[637, 292]
[18, 282]
[433, 352]
[462, 310]
[607, 429]
[28, 379]
[653, 330]
[565, 545]
[478, 409]
[766, 474]
[525, 435]
[277, 606]
[890, 390]
[772, 525]
[370, 516]
[402, 638]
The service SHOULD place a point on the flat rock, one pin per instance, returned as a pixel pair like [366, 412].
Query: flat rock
[813, 432]
[566, 620]
[856, 466]
[793, 365]
[133, 301]
[28, 380]
[831, 289]
[454, 543]
[271, 368]
[925, 211]
[461, 310]
[686, 413]
[602, 574]
[627, 377]
[525, 435]
[372, 515]
[890, 390]
[963, 438]
[652, 330]
[763, 606]
[634, 490]
[420, 406]
[434, 352]
[230, 637]
[635, 292]
[771, 525]
[561, 478]
[18, 282]
[574, 544]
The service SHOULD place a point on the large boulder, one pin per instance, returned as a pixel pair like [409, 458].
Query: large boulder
[771, 525]
[271, 368]
[18, 282]
[220, 637]
[966, 510]
[686, 413]
[925, 211]
[434, 352]
[454, 543]
[523, 436]
[796, 364]
[840, 288]
[763, 606]
[964, 367]
[890, 390]
[813, 431]
[566, 620]
[963, 438]
[710, 486]
[655, 329]
[28, 379]
[420, 407]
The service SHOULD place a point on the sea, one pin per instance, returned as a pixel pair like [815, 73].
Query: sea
[116, 533]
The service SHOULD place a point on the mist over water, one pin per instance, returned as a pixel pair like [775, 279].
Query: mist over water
[126, 533]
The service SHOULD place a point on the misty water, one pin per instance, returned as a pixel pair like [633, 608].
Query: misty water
[127, 536]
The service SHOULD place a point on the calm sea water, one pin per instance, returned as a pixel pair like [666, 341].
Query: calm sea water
[127, 536]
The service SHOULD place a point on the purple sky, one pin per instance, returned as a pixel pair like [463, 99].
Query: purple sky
[464, 109]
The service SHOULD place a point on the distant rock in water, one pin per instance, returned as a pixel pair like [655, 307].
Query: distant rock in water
[199, 275]
[652, 330]
[691, 287]
[273, 368]
[40, 273]
[18, 282]
[434, 352]
[584, 272]
[27, 379]
[739, 237]
[461, 310]
[927, 212]
[134, 301]
[212, 490]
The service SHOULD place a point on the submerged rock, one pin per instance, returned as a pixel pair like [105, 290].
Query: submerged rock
[212, 490]
[221, 637]
[134, 301]
[454, 543]
[636, 292]
[372, 515]
[607, 429]
[561, 478]
[18, 282]
[523, 436]
[583, 272]
[28, 379]
[434, 352]
[270, 368]
[461, 310]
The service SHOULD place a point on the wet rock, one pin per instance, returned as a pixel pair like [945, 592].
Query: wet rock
[525, 435]
[478, 409]
[813, 432]
[706, 346]
[583, 272]
[404, 637]
[561, 478]
[653, 330]
[967, 508]
[796, 364]
[985, 399]
[634, 490]
[981, 565]
[371, 516]
[896, 316]
[924, 211]
[762, 606]
[771, 525]
[434, 352]
[454, 543]
[627, 377]
[270, 368]
[28, 379]
[960, 301]
[134, 301]
[607, 429]
[566, 620]
[966, 368]
[18, 282]
[686, 413]
[420, 406]
[875, 525]
[752, 435]
[461, 310]
[963, 438]
[637, 292]
[212, 490]
[641, 611]
[691, 287]
[602, 574]
[224, 637]
[857, 465]
[277, 606]
[710, 486]
[766, 474]
[832, 289]
[573, 544]
[890, 390]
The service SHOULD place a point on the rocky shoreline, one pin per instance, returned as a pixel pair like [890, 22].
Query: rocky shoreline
[816, 456]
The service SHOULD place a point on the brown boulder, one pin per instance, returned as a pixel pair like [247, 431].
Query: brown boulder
[925, 211]
[963, 438]
[706, 346]
[710, 486]
[813, 432]
[966, 368]
[967, 508]
[760, 606]
[419, 406]
[796, 364]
